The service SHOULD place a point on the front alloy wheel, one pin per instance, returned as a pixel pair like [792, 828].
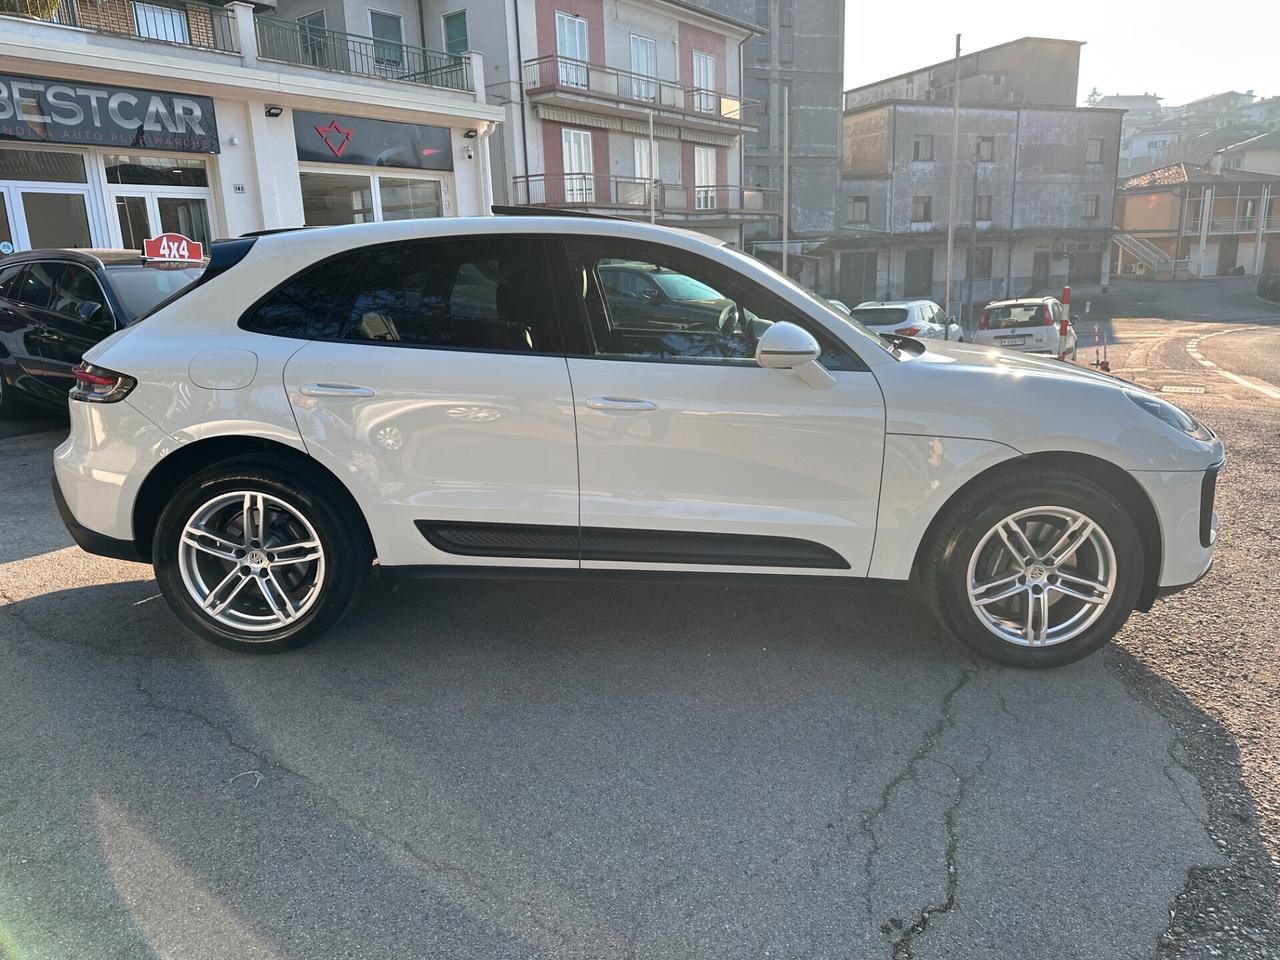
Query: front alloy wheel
[1033, 568]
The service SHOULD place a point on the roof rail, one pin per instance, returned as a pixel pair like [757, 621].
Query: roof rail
[268, 232]
[511, 210]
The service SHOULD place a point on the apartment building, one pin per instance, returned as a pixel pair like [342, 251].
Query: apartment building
[624, 107]
[1189, 220]
[1260, 154]
[1035, 181]
[800, 51]
[123, 119]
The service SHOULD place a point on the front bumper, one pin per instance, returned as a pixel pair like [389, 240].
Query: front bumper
[1184, 504]
[91, 541]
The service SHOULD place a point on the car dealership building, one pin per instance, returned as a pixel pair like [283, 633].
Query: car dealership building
[122, 120]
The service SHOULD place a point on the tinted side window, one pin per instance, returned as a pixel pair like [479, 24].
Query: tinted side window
[7, 276]
[35, 289]
[305, 307]
[689, 309]
[464, 293]
[77, 287]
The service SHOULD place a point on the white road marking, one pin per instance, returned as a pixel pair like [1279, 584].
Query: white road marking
[1266, 389]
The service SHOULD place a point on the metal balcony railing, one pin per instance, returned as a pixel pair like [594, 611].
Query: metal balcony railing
[554, 72]
[192, 23]
[288, 41]
[632, 194]
[1228, 225]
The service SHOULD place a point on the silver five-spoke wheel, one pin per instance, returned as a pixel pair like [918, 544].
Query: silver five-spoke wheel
[1041, 576]
[251, 561]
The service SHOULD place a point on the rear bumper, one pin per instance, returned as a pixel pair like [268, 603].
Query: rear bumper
[91, 541]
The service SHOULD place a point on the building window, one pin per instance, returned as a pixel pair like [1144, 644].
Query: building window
[704, 82]
[921, 209]
[986, 148]
[311, 35]
[571, 49]
[335, 198]
[859, 209]
[157, 22]
[644, 63]
[388, 36]
[982, 207]
[455, 33]
[1094, 154]
[785, 33]
[980, 259]
[922, 147]
[1091, 202]
[760, 45]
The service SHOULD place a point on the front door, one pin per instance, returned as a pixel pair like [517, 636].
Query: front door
[438, 389]
[857, 277]
[918, 278]
[143, 214]
[691, 454]
[1228, 253]
[579, 176]
[1040, 270]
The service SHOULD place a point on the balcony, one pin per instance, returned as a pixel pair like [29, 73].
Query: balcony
[190, 24]
[630, 196]
[288, 41]
[1229, 225]
[588, 86]
[207, 26]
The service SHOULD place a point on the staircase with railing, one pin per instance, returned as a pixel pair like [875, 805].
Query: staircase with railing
[1155, 260]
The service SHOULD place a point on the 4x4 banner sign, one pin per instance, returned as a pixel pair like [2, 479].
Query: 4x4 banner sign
[173, 246]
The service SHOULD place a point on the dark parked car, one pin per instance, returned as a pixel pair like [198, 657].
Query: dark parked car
[56, 304]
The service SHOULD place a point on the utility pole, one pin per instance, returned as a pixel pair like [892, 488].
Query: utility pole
[786, 175]
[951, 199]
[973, 246]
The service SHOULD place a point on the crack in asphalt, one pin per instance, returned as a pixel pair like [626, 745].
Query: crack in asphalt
[902, 946]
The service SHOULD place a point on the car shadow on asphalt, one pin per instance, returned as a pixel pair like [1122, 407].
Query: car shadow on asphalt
[563, 770]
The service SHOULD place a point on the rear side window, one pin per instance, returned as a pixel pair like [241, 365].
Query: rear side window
[306, 307]
[463, 293]
[35, 289]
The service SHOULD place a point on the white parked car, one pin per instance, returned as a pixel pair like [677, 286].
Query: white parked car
[466, 397]
[1031, 324]
[919, 319]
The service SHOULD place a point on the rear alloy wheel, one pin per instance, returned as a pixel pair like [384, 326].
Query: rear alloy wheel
[1035, 570]
[255, 561]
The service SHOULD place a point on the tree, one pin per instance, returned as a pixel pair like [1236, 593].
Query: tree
[1094, 96]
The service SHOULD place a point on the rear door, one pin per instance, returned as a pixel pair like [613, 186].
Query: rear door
[33, 295]
[438, 390]
[693, 457]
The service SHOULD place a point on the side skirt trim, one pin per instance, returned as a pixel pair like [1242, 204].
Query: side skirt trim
[548, 542]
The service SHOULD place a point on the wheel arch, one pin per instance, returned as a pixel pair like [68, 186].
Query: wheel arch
[1118, 482]
[190, 458]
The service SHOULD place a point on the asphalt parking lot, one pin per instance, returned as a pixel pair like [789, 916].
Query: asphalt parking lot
[558, 770]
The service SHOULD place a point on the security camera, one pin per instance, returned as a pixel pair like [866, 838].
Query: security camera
[468, 152]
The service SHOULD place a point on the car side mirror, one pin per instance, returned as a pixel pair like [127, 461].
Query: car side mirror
[785, 346]
[650, 295]
[88, 311]
[1075, 318]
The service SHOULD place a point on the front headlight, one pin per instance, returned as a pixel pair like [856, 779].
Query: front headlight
[1166, 411]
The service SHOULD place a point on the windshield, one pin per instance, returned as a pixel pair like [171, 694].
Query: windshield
[880, 316]
[140, 287]
[679, 287]
[1015, 315]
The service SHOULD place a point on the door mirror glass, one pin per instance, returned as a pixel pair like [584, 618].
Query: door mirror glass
[785, 346]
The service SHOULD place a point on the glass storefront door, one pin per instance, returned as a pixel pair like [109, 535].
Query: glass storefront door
[149, 195]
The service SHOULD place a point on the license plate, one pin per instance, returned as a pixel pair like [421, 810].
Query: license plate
[1012, 341]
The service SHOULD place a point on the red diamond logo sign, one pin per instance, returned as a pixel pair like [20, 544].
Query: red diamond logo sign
[334, 137]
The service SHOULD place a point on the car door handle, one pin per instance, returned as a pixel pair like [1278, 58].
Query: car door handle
[334, 390]
[620, 404]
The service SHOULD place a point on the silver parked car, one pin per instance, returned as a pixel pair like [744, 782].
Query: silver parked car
[919, 319]
[1030, 324]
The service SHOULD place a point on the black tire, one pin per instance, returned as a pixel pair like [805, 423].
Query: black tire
[347, 553]
[945, 563]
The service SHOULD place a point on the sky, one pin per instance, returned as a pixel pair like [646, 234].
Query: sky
[1178, 49]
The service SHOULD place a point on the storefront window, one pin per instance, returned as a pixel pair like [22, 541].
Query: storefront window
[56, 220]
[156, 171]
[334, 198]
[404, 199]
[185, 215]
[44, 165]
[134, 223]
[6, 233]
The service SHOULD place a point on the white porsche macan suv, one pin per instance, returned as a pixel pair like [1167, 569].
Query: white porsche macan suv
[510, 396]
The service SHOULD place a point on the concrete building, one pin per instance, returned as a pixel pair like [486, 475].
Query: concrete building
[1185, 220]
[799, 49]
[125, 120]
[1260, 154]
[1035, 183]
[1139, 108]
[579, 81]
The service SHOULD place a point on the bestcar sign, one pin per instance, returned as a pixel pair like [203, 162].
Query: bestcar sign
[55, 111]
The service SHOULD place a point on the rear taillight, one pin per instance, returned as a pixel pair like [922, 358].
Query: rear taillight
[982, 321]
[99, 385]
[907, 331]
[1048, 314]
